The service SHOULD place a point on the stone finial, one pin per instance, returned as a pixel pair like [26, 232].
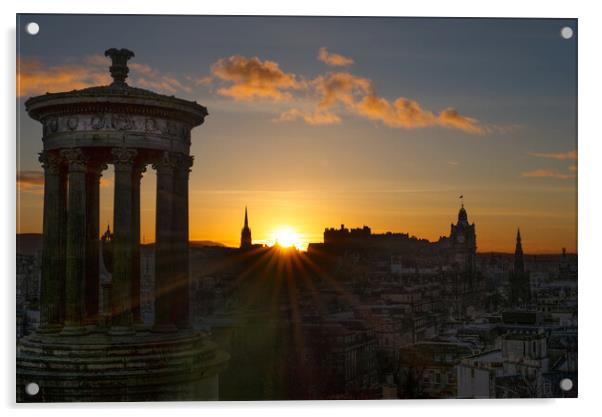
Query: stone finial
[119, 64]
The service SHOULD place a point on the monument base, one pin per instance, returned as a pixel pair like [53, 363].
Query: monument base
[98, 366]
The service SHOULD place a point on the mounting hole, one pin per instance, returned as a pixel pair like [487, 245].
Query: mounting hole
[32, 28]
[566, 384]
[566, 32]
[32, 389]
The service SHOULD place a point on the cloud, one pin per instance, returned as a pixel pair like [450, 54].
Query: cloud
[340, 87]
[252, 78]
[451, 118]
[330, 95]
[33, 77]
[560, 156]
[142, 75]
[358, 95]
[311, 118]
[32, 181]
[204, 81]
[332, 59]
[547, 173]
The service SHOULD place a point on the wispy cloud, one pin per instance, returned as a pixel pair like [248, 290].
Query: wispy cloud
[311, 118]
[333, 59]
[32, 181]
[560, 156]
[34, 77]
[146, 77]
[252, 78]
[547, 173]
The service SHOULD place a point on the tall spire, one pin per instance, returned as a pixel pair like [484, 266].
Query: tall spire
[462, 215]
[519, 263]
[520, 286]
[246, 242]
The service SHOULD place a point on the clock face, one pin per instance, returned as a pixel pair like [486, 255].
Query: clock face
[461, 239]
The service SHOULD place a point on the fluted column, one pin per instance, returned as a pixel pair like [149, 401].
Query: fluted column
[92, 284]
[164, 272]
[121, 290]
[52, 286]
[76, 241]
[137, 172]
[181, 306]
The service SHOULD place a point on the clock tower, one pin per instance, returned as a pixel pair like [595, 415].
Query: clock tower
[463, 242]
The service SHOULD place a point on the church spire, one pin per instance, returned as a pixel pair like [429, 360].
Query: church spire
[519, 262]
[520, 286]
[246, 242]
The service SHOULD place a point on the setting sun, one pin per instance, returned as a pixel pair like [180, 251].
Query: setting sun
[286, 237]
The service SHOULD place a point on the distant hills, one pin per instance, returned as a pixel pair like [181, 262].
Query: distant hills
[31, 243]
[194, 243]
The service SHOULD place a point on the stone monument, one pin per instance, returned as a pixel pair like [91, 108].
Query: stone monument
[77, 354]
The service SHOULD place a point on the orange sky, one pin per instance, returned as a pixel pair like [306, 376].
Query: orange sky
[218, 214]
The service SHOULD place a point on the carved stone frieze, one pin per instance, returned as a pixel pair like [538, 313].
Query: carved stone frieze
[72, 122]
[117, 122]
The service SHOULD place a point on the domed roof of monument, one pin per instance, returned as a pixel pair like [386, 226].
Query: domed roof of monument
[117, 91]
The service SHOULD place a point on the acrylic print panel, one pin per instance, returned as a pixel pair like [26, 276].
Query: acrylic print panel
[295, 208]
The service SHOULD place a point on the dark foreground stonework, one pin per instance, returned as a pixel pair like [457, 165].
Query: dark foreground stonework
[146, 366]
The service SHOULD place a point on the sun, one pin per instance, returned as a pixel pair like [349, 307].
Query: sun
[286, 237]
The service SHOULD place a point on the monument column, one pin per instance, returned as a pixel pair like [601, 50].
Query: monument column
[164, 265]
[92, 284]
[121, 290]
[181, 308]
[76, 241]
[52, 286]
[137, 172]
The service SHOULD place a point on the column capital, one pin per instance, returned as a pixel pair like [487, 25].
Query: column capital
[167, 162]
[123, 158]
[51, 162]
[76, 159]
[184, 163]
